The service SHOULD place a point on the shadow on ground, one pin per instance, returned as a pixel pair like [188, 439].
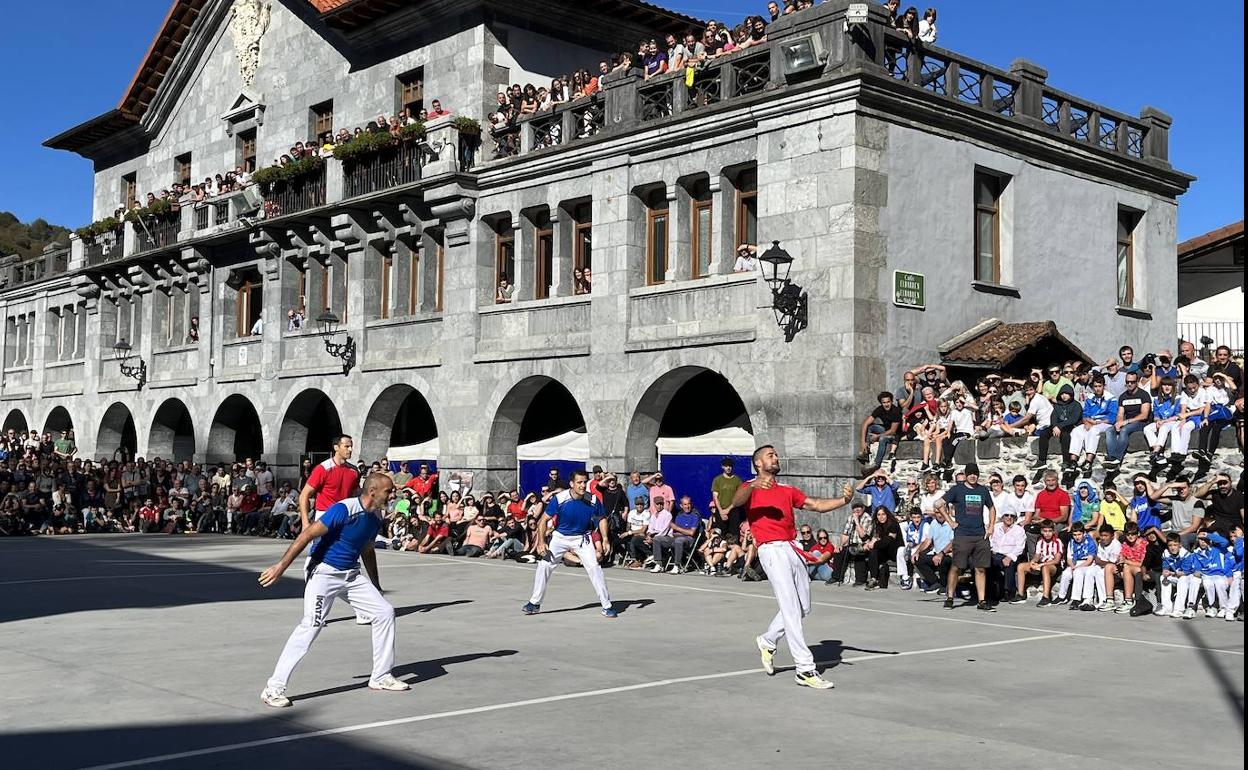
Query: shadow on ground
[64, 749]
[412, 673]
[83, 576]
[411, 609]
[621, 606]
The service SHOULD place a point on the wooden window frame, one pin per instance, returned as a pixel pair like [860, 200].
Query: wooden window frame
[501, 241]
[578, 240]
[322, 118]
[541, 273]
[437, 305]
[411, 88]
[242, 310]
[302, 289]
[993, 211]
[652, 216]
[1126, 216]
[743, 200]
[129, 189]
[413, 282]
[182, 167]
[695, 208]
[247, 141]
[325, 296]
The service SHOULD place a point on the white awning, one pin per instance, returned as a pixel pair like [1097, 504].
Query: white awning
[426, 451]
[725, 441]
[566, 446]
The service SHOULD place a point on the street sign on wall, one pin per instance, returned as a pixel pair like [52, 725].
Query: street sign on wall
[908, 290]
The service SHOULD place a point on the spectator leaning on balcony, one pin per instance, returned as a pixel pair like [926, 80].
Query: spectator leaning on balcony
[927, 27]
[747, 259]
[654, 63]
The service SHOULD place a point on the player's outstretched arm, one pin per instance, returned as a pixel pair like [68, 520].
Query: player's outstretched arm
[272, 574]
[828, 504]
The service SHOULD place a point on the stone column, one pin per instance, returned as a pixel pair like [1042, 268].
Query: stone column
[1030, 98]
[400, 281]
[525, 246]
[561, 263]
[723, 203]
[679, 250]
[43, 349]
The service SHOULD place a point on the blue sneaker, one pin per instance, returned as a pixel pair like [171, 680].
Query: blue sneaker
[610, 612]
[531, 609]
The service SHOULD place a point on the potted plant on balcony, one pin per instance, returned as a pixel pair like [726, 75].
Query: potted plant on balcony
[466, 126]
[364, 145]
[412, 132]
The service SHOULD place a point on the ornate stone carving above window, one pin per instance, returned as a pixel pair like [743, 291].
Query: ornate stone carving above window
[247, 112]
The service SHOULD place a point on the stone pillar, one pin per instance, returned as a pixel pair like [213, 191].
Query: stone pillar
[723, 203]
[273, 314]
[561, 263]
[144, 323]
[400, 281]
[525, 246]
[43, 349]
[1029, 103]
[427, 288]
[1157, 139]
[679, 250]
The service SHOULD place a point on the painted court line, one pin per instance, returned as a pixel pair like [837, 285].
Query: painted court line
[899, 613]
[535, 702]
[245, 573]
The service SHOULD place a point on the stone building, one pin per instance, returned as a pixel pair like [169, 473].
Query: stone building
[1016, 201]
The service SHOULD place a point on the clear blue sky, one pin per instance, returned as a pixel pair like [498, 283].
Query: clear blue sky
[68, 60]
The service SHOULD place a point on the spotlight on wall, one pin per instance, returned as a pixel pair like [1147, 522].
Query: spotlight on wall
[788, 299]
[138, 372]
[802, 55]
[327, 325]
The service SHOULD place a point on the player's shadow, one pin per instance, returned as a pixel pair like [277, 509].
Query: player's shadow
[412, 673]
[620, 605]
[411, 609]
[829, 652]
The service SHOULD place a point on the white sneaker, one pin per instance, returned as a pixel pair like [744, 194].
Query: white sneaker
[1189, 613]
[768, 656]
[656, 569]
[1159, 612]
[272, 696]
[388, 682]
[812, 679]
[363, 620]
[1227, 614]
[1106, 605]
[1211, 612]
[1177, 613]
[676, 570]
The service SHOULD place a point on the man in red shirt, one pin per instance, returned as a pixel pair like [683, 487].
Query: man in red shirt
[149, 514]
[331, 482]
[424, 482]
[595, 482]
[770, 515]
[1053, 503]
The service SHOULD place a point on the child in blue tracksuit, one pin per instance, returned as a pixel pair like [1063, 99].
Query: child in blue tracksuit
[912, 533]
[1237, 571]
[1080, 573]
[1166, 420]
[1212, 567]
[1172, 578]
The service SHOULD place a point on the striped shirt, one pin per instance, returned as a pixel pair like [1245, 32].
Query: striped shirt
[1048, 550]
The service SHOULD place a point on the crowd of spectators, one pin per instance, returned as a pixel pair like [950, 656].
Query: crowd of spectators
[1172, 400]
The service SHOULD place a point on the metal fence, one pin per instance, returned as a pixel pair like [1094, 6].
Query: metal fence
[1229, 333]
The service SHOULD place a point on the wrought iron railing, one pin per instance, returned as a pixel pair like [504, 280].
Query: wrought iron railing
[506, 142]
[1229, 333]
[104, 248]
[154, 233]
[751, 73]
[295, 195]
[589, 116]
[220, 213]
[707, 88]
[386, 169]
[547, 130]
[201, 217]
[656, 100]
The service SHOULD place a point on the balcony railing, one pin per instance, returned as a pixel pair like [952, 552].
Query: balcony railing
[31, 269]
[104, 248]
[155, 233]
[386, 169]
[301, 194]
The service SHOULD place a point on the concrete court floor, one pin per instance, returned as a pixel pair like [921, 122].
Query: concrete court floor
[150, 651]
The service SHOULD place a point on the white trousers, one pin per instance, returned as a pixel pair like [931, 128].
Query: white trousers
[1084, 439]
[1080, 582]
[1216, 585]
[1181, 435]
[791, 584]
[583, 547]
[1171, 590]
[903, 563]
[1236, 591]
[1157, 432]
[324, 585]
[1189, 589]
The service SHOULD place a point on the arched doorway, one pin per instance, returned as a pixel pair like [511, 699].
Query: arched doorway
[536, 408]
[173, 432]
[308, 429]
[399, 417]
[235, 432]
[15, 421]
[117, 435]
[686, 402]
[58, 420]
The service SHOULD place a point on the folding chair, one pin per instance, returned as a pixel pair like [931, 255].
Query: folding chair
[698, 539]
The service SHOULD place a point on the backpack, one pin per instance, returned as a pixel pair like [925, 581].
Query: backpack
[1142, 606]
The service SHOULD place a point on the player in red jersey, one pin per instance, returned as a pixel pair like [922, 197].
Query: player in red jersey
[331, 482]
[770, 513]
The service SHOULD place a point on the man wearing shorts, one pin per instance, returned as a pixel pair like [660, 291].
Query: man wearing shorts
[965, 504]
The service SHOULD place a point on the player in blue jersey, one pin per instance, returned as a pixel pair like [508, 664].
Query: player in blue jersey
[575, 514]
[343, 538]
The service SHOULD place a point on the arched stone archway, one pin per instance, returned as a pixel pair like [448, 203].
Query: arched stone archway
[117, 434]
[172, 436]
[400, 416]
[15, 420]
[58, 420]
[235, 432]
[535, 408]
[687, 401]
[308, 428]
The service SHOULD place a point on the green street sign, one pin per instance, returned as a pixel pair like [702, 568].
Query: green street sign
[908, 290]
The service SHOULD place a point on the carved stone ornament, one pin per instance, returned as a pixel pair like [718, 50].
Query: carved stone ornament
[249, 20]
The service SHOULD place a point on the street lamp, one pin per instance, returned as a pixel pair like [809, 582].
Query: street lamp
[327, 324]
[788, 300]
[121, 352]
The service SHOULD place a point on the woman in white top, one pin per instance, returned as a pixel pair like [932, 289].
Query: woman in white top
[927, 27]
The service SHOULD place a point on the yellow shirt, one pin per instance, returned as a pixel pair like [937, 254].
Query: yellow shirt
[1114, 515]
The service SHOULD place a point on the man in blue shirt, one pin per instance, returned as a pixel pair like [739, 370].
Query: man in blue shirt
[881, 490]
[576, 514]
[965, 505]
[685, 527]
[343, 538]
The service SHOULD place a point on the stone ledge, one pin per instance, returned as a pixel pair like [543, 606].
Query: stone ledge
[1000, 289]
[1133, 312]
[174, 382]
[59, 392]
[391, 366]
[574, 351]
[23, 396]
[520, 306]
[244, 377]
[702, 340]
[694, 284]
[320, 371]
